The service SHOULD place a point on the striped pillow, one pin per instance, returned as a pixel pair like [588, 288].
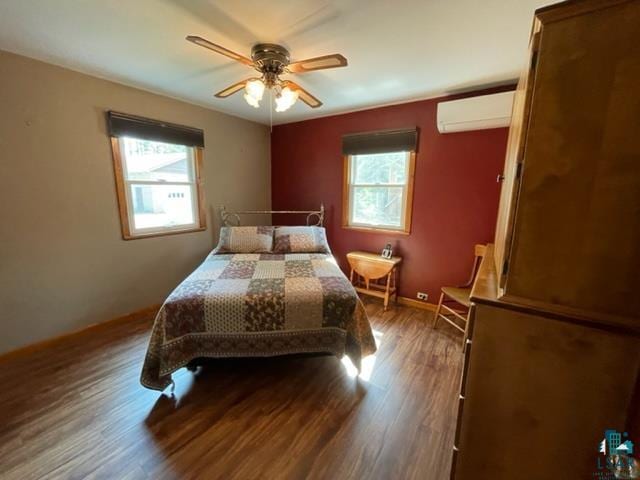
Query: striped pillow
[245, 240]
[301, 240]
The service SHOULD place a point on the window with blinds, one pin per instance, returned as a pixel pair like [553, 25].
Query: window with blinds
[378, 183]
[157, 169]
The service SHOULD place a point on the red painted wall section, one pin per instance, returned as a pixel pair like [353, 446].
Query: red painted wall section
[455, 196]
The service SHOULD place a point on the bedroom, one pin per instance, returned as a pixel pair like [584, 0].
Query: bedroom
[453, 296]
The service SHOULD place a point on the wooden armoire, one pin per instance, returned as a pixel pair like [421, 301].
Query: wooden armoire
[553, 353]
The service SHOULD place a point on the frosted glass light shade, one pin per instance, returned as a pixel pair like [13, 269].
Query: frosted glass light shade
[251, 100]
[286, 99]
[255, 88]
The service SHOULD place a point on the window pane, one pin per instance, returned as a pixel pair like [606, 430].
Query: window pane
[377, 206]
[161, 206]
[156, 161]
[380, 168]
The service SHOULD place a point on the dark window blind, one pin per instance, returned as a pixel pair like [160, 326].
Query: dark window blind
[124, 125]
[383, 141]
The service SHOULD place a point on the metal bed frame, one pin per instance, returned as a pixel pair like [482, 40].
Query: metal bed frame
[232, 219]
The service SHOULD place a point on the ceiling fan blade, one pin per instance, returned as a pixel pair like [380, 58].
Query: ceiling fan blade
[218, 49]
[236, 87]
[318, 63]
[303, 95]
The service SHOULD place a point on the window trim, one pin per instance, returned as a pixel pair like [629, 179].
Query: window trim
[123, 198]
[407, 201]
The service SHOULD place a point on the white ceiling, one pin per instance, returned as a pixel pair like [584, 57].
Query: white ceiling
[397, 50]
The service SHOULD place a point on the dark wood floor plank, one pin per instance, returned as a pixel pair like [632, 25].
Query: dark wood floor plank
[76, 410]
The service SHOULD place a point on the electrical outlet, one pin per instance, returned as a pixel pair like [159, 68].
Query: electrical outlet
[422, 296]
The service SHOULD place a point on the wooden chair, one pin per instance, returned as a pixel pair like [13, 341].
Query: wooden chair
[459, 295]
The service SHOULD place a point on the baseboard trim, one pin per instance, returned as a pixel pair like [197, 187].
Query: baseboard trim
[410, 302]
[91, 328]
[137, 315]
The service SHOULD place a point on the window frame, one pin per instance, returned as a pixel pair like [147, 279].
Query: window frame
[124, 197]
[347, 200]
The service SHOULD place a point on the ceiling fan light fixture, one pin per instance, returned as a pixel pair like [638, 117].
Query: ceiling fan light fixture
[255, 103]
[286, 99]
[272, 60]
[255, 88]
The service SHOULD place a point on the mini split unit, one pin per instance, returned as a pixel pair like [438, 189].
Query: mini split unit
[475, 113]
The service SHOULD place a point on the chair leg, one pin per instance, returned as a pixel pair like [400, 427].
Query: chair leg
[437, 314]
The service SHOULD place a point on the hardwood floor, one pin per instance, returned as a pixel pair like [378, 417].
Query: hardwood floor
[76, 410]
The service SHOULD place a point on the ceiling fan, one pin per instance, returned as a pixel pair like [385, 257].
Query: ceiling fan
[271, 61]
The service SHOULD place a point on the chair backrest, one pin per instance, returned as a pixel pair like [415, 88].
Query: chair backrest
[479, 251]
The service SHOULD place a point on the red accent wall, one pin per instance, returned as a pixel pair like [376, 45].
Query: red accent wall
[455, 197]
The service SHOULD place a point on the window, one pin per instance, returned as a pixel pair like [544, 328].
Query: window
[379, 188]
[158, 185]
[378, 180]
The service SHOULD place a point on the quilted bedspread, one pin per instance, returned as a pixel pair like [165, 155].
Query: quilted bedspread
[254, 305]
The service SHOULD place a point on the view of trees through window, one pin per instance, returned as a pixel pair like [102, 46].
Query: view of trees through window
[378, 186]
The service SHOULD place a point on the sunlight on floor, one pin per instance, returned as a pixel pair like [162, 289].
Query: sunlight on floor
[368, 363]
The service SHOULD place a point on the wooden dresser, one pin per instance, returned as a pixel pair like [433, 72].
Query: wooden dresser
[553, 354]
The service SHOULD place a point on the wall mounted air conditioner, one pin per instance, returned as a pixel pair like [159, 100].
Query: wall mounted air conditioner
[475, 113]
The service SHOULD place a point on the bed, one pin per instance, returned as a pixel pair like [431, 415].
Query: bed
[288, 297]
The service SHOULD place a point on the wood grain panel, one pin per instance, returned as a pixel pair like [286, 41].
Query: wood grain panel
[371, 265]
[539, 391]
[577, 227]
[76, 410]
[123, 208]
[514, 157]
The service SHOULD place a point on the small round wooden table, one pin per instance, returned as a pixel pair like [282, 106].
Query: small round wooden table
[367, 268]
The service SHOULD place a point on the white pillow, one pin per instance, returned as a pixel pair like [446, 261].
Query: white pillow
[245, 240]
[301, 240]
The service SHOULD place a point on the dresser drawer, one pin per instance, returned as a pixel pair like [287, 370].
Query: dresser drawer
[463, 383]
[467, 350]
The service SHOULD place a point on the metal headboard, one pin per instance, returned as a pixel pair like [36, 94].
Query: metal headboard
[232, 219]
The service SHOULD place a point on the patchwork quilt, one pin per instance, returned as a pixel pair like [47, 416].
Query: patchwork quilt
[255, 305]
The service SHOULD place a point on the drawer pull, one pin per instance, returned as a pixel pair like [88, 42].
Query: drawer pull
[455, 449]
[469, 342]
[461, 397]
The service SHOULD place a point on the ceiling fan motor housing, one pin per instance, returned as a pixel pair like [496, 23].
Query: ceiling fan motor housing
[270, 58]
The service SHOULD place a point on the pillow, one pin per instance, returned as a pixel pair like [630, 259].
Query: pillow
[245, 240]
[301, 240]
